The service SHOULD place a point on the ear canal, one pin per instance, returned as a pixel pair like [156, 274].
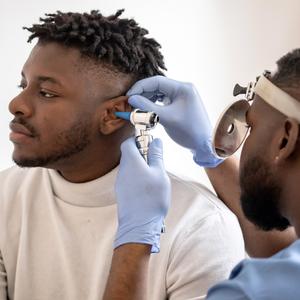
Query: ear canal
[109, 122]
[283, 143]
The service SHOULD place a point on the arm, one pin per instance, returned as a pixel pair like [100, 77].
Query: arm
[259, 243]
[143, 198]
[186, 122]
[3, 280]
[128, 273]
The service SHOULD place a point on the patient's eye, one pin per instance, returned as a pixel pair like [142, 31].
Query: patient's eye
[22, 85]
[47, 94]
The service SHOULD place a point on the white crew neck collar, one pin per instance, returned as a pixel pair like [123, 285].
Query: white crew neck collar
[96, 193]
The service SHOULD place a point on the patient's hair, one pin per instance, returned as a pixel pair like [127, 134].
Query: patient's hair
[117, 42]
[288, 70]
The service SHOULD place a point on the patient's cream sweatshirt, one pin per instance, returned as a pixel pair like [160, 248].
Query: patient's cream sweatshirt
[56, 238]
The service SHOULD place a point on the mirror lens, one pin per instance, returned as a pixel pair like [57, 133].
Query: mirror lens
[231, 130]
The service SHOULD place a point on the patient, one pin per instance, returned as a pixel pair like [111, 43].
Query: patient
[57, 207]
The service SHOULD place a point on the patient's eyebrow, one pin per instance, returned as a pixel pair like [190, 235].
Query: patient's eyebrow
[49, 79]
[45, 79]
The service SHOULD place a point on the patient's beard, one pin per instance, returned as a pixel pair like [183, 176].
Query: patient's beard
[67, 143]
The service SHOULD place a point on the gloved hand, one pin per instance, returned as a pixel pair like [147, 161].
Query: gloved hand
[184, 118]
[143, 195]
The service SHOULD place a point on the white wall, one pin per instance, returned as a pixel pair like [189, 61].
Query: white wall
[213, 43]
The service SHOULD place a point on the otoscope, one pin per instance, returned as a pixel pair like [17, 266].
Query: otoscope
[143, 121]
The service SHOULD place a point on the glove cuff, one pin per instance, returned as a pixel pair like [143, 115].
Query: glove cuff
[205, 157]
[148, 233]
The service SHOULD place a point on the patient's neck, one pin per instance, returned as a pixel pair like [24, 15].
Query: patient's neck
[89, 164]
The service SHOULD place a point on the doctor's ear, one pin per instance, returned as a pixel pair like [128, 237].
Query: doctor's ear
[287, 142]
[108, 122]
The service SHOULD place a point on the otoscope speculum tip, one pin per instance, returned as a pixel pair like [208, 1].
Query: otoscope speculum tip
[123, 115]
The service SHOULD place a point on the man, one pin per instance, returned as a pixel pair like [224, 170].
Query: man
[58, 215]
[269, 172]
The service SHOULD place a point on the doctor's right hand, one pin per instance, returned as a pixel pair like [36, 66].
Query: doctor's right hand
[185, 118]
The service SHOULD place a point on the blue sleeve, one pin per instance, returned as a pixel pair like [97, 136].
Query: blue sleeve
[232, 289]
[275, 278]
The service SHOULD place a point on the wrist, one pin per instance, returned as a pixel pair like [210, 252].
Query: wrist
[204, 156]
[147, 234]
[136, 248]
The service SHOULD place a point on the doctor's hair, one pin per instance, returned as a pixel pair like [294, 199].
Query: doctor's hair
[119, 43]
[288, 70]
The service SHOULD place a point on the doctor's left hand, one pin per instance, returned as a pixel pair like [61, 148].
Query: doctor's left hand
[143, 195]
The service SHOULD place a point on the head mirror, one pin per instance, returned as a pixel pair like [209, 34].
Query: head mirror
[231, 129]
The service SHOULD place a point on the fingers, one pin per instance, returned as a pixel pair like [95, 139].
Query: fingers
[155, 84]
[155, 154]
[130, 152]
[143, 103]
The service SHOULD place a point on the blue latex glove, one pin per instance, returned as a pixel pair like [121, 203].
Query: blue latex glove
[143, 195]
[184, 116]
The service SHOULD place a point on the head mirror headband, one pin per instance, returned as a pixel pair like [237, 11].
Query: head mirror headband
[231, 128]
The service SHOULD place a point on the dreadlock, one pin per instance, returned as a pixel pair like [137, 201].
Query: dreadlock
[115, 41]
[288, 70]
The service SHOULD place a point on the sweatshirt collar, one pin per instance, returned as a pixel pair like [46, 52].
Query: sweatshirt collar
[96, 193]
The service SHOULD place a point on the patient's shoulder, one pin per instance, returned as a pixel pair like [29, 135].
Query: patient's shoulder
[187, 192]
[13, 177]
[14, 180]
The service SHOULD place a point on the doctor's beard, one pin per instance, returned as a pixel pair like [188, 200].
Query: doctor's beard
[260, 195]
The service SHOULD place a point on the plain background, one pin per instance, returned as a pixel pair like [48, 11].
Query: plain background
[212, 43]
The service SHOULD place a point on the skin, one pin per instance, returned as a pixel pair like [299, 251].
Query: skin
[134, 258]
[68, 108]
[258, 243]
[64, 120]
[273, 137]
[274, 141]
[68, 103]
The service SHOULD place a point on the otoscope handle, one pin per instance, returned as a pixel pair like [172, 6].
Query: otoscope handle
[143, 122]
[142, 142]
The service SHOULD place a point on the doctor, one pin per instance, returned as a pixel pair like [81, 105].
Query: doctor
[267, 186]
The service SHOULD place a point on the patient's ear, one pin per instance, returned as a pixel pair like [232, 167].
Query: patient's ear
[108, 122]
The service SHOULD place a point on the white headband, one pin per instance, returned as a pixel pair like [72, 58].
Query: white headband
[277, 98]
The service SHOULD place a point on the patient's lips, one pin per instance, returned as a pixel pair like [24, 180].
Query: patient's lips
[19, 133]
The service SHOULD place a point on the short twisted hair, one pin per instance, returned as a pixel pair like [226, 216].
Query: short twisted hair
[115, 41]
[288, 70]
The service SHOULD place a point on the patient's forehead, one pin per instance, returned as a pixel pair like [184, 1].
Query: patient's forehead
[53, 59]
[69, 65]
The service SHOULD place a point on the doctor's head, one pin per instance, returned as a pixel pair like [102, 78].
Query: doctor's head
[270, 159]
[73, 81]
